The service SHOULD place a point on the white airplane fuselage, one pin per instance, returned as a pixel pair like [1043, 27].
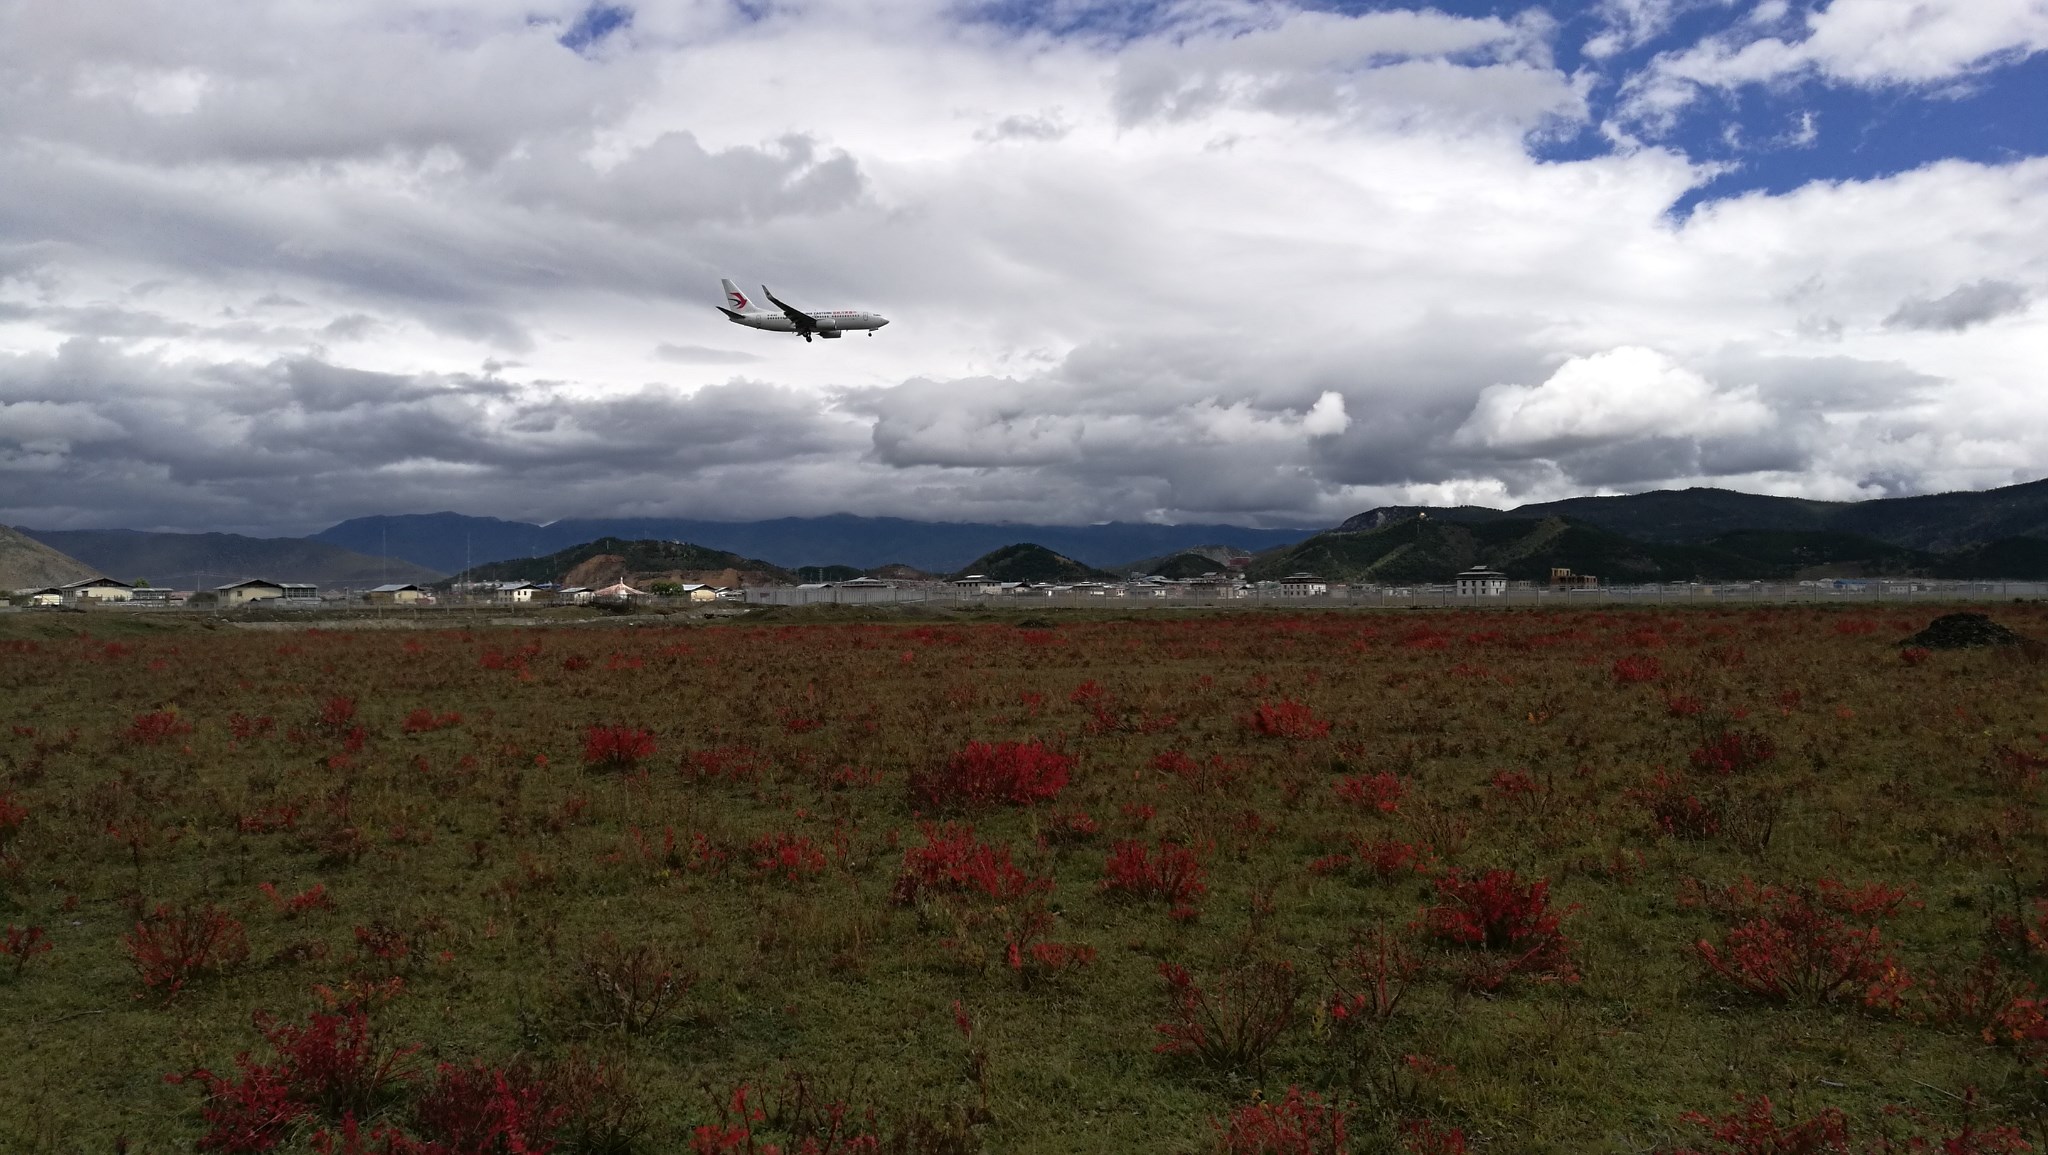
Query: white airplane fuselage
[806, 323]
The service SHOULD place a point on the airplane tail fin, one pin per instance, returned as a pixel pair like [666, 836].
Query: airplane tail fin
[736, 301]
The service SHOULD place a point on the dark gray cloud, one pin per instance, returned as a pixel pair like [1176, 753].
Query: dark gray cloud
[266, 269]
[1960, 308]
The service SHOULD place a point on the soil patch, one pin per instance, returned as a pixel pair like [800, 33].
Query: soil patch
[1961, 632]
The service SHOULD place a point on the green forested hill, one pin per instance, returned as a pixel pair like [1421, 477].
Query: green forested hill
[632, 558]
[1432, 549]
[1026, 562]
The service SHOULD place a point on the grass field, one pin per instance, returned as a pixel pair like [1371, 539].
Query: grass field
[712, 888]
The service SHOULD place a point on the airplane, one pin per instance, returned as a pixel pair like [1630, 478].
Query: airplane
[822, 323]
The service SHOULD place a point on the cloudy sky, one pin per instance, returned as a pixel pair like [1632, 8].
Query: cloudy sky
[267, 266]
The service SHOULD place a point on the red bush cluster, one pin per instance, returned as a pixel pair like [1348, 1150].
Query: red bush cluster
[1286, 718]
[1632, 668]
[1733, 752]
[793, 857]
[1796, 945]
[987, 774]
[1299, 1124]
[1381, 792]
[1512, 920]
[22, 943]
[952, 860]
[1235, 1020]
[1171, 871]
[156, 728]
[616, 747]
[425, 721]
[171, 948]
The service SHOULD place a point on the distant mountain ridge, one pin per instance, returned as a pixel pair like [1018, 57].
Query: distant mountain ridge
[204, 560]
[1945, 522]
[1418, 549]
[451, 541]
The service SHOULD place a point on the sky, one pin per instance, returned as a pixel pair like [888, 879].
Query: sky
[266, 267]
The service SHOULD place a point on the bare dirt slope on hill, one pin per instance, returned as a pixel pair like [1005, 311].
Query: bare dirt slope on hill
[26, 562]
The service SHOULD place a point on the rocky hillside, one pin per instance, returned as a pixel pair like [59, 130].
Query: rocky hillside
[26, 563]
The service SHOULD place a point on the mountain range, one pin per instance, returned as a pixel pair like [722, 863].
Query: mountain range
[452, 542]
[1687, 533]
[203, 560]
[1941, 522]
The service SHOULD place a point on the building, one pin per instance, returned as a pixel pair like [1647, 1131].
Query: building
[976, 583]
[573, 595]
[247, 590]
[47, 596]
[1564, 579]
[616, 592]
[1480, 582]
[98, 589]
[1302, 585]
[518, 593]
[395, 594]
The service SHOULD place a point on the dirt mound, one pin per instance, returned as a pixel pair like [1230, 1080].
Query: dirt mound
[1963, 631]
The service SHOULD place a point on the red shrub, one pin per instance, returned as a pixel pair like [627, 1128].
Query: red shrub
[171, 948]
[1754, 1129]
[425, 721]
[795, 857]
[1372, 978]
[1300, 1124]
[245, 728]
[327, 1068]
[1172, 873]
[1236, 1020]
[1286, 719]
[1633, 668]
[987, 774]
[1388, 858]
[1797, 947]
[1500, 913]
[337, 714]
[1422, 1137]
[310, 899]
[616, 747]
[1735, 751]
[1381, 792]
[156, 728]
[489, 1109]
[1683, 705]
[1915, 655]
[1675, 809]
[22, 943]
[953, 861]
[13, 816]
[333, 1064]
[252, 1113]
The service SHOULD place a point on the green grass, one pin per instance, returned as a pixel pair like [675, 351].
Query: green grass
[517, 868]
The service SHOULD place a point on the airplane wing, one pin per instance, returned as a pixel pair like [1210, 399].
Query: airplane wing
[805, 323]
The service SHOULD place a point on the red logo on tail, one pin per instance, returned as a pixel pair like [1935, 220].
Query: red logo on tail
[739, 299]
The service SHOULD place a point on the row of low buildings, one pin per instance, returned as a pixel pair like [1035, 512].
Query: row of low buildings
[106, 590]
[1476, 582]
